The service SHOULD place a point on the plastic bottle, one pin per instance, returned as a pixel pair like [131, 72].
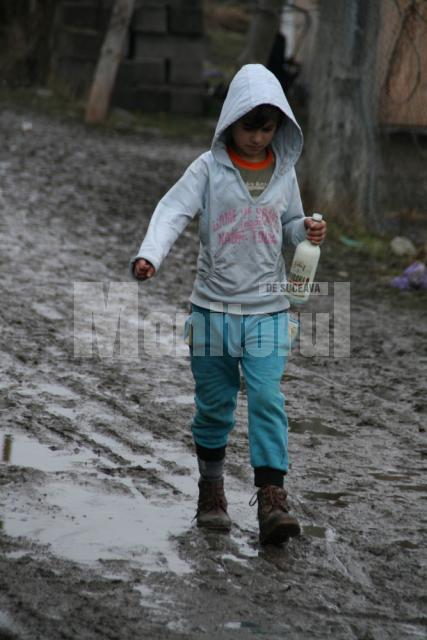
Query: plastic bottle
[303, 269]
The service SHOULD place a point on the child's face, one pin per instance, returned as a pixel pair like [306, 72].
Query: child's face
[251, 144]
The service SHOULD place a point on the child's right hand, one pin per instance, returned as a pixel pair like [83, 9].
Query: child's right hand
[142, 269]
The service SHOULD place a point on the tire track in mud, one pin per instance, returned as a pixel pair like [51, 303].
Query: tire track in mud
[98, 497]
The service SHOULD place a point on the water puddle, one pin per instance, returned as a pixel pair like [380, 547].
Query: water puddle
[253, 628]
[179, 399]
[315, 426]
[23, 451]
[153, 600]
[396, 477]
[17, 554]
[411, 631]
[230, 556]
[96, 522]
[334, 498]
[244, 624]
[62, 412]
[57, 390]
[161, 606]
[316, 531]
[92, 520]
[103, 514]
[233, 625]
[407, 544]
[6, 624]
[146, 594]
[245, 549]
[174, 466]
[178, 626]
[389, 477]
[421, 488]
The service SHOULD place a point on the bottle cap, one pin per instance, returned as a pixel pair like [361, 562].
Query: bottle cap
[317, 217]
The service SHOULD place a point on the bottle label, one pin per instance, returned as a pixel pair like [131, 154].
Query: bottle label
[299, 279]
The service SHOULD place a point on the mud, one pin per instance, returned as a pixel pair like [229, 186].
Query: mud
[97, 474]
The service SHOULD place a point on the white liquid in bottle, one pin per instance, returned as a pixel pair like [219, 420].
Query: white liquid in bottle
[303, 269]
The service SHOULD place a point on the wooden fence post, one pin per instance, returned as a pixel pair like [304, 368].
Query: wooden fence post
[108, 63]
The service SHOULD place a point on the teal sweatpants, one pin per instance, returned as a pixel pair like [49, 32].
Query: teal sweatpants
[220, 345]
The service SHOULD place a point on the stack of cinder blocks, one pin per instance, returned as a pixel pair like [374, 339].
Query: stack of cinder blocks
[162, 63]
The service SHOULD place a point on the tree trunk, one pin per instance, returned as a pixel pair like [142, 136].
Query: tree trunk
[262, 31]
[108, 63]
[342, 145]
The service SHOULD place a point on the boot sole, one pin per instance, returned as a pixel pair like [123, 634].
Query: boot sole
[279, 533]
[225, 528]
[218, 529]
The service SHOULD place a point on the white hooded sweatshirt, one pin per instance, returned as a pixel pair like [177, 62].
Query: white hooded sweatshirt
[241, 237]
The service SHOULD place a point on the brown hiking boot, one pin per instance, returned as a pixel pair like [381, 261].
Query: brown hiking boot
[212, 506]
[275, 523]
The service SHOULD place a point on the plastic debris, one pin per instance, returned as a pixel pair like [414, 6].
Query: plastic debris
[26, 125]
[402, 246]
[350, 242]
[414, 277]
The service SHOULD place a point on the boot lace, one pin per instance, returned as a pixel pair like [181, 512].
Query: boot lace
[271, 496]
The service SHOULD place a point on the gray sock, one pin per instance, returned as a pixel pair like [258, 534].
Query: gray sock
[211, 470]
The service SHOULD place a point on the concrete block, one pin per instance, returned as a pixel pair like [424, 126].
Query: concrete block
[125, 98]
[186, 21]
[135, 72]
[74, 75]
[74, 43]
[150, 19]
[85, 15]
[151, 46]
[171, 47]
[145, 98]
[154, 99]
[185, 70]
[186, 100]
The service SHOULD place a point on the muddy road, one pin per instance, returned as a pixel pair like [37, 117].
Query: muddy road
[98, 480]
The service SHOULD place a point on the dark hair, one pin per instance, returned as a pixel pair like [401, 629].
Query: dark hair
[260, 115]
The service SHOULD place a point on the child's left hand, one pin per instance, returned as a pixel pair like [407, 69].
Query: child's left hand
[316, 231]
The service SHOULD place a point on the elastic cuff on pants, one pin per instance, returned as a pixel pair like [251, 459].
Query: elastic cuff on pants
[267, 475]
[210, 455]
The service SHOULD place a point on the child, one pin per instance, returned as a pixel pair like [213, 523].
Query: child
[246, 195]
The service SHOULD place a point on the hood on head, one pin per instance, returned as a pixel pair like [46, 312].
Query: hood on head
[252, 86]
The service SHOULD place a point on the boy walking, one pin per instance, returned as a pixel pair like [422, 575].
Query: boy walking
[246, 196]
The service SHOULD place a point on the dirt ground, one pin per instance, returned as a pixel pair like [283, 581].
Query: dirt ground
[97, 473]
